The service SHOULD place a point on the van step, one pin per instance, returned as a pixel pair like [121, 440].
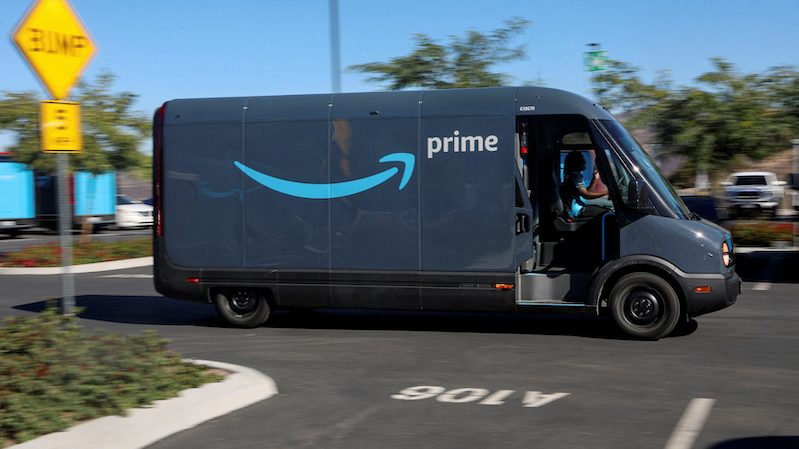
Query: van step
[554, 305]
[550, 303]
[552, 288]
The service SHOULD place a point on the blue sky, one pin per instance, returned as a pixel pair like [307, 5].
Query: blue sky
[164, 49]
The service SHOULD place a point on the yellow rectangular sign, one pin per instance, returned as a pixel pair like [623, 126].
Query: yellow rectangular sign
[60, 127]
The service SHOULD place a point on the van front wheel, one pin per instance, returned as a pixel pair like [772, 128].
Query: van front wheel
[242, 307]
[644, 306]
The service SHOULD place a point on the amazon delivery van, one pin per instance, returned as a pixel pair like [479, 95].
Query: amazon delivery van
[429, 200]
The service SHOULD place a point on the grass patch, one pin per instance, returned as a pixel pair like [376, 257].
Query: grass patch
[761, 233]
[50, 255]
[53, 375]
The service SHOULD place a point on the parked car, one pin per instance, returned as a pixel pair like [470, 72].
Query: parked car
[753, 192]
[131, 213]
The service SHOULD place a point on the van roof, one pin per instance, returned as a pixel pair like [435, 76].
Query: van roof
[489, 101]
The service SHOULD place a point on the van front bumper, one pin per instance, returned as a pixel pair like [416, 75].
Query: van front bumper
[723, 292]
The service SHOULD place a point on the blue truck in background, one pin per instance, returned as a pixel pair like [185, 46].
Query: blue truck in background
[91, 196]
[29, 199]
[17, 205]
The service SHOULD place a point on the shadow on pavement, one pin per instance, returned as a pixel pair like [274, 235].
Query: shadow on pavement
[769, 266]
[155, 310]
[506, 323]
[759, 443]
[538, 323]
[158, 310]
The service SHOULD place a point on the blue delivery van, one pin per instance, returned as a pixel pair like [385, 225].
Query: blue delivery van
[430, 200]
[17, 204]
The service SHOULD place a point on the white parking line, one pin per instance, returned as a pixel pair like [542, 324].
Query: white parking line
[691, 423]
[762, 286]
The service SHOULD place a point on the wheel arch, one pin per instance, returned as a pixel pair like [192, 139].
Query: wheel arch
[610, 274]
[268, 293]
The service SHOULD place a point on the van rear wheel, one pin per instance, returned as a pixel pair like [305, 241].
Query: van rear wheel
[242, 307]
[644, 306]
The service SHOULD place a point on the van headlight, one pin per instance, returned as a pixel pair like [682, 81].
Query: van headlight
[726, 254]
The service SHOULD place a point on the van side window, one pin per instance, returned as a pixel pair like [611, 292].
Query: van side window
[620, 175]
[578, 170]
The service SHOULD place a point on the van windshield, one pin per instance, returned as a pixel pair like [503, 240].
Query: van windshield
[648, 168]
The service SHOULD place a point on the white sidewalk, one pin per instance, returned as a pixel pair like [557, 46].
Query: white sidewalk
[144, 426]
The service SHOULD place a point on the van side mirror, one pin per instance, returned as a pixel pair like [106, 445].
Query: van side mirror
[637, 197]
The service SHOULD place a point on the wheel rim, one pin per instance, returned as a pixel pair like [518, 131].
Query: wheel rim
[243, 302]
[643, 307]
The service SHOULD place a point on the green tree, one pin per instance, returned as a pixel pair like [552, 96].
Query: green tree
[465, 61]
[112, 132]
[782, 84]
[725, 115]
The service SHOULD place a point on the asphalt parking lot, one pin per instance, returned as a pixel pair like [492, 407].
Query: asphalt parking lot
[405, 379]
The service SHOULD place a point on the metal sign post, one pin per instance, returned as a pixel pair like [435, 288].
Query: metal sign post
[61, 133]
[65, 231]
[335, 46]
[57, 46]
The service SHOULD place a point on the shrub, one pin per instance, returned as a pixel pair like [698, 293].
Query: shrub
[53, 375]
[761, 233]
[50, 255]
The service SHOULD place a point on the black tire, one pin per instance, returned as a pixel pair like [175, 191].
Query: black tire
[644, 306]
[242, 307]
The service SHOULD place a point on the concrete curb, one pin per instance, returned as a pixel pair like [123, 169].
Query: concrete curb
[144, 426]
[84, 268]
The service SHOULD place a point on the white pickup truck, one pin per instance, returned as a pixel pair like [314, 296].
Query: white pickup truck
[794, 184]
[754, 191]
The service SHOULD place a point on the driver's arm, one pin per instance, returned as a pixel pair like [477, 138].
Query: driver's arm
[592, 195]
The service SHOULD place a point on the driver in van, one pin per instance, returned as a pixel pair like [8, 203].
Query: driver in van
[573, 189]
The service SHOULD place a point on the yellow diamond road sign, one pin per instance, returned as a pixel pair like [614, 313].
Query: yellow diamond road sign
[55, 44]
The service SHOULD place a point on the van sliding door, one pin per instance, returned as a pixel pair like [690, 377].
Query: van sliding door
[374, 233]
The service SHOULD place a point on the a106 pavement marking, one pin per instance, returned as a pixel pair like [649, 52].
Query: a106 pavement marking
[481, 396]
